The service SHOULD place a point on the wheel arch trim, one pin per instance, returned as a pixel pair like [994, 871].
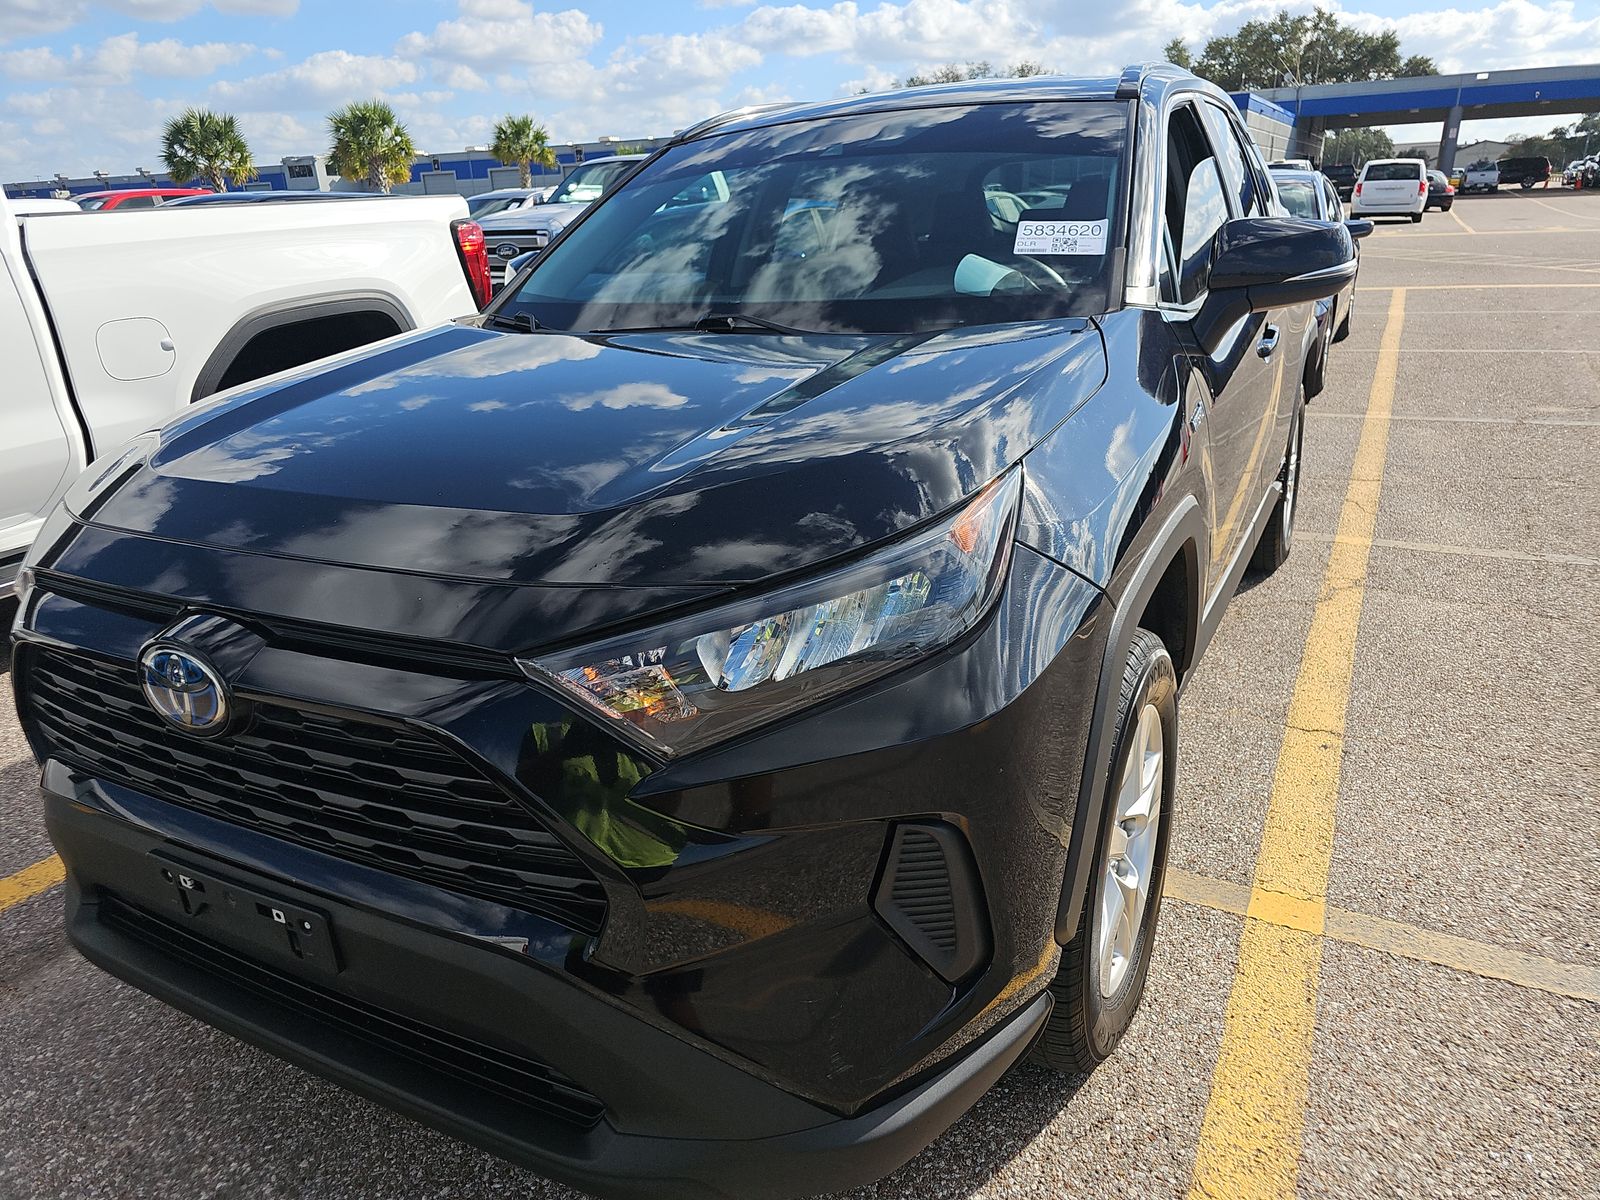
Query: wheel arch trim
[293, 312]
[1181, 533]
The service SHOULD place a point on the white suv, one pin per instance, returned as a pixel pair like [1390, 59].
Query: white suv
[1391, 187]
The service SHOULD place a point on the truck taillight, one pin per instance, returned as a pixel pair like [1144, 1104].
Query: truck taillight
[474, 259]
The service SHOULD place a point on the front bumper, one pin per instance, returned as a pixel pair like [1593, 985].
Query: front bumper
[748, 1019]
[403, 986]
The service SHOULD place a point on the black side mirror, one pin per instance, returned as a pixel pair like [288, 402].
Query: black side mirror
[1359, 227]
[1261, 263]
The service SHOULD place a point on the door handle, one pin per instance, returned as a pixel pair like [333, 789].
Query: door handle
[1269, 342]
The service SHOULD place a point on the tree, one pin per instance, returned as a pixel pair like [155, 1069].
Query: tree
[1356, 146]
[1177, 53]
[956, 73]
[518, 140]
[1290, 49]
[370, 145]
[200, 144]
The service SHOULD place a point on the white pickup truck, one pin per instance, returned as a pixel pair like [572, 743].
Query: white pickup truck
[1481, 177]
[110, 323]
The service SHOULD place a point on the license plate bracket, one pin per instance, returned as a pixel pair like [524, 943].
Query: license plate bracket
[249, 918]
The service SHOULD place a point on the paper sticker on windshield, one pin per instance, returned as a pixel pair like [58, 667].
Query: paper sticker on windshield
[1060, 237]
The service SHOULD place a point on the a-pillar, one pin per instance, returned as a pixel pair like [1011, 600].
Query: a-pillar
[1447, 143]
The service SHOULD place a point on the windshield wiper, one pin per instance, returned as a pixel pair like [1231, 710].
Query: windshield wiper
[716, 323]
[520, 321]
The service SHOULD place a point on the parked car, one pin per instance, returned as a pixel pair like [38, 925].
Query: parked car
[514, 233]
[29, 206]
[112, 325]
[486, 204]
[211, 199]
[1524, 172]
[695, 730]
[1391, 187]
[1441, 192]
[1313, 196]
[1343, 176]
[1481, 176]
[1571, 172]
[121, 199]
[1291, 164]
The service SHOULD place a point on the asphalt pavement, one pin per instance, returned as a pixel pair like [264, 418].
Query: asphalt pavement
[1425, 1017]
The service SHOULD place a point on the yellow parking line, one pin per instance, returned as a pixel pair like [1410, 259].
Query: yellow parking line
[1535, 971]
[1250, 1138]
[1452, 211]
[30, 881]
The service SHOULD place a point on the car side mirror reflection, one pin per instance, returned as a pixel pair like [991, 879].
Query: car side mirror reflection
[1261, 263]
[1359, 227]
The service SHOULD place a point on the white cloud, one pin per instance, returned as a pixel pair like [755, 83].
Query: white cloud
[121, 59]
[504, 33]
[29, 18]
[330, 77]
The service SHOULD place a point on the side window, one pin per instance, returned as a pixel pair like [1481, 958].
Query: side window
[1196, 206]
[138, 202]
[1241, 175]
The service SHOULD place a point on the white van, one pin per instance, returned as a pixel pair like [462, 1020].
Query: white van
[1391, 187]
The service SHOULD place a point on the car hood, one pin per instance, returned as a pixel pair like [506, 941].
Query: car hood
[642, 461]
[531, 216]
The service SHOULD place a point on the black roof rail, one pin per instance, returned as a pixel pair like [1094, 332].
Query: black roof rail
[723, 118]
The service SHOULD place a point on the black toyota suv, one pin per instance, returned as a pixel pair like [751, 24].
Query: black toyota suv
[693, 726]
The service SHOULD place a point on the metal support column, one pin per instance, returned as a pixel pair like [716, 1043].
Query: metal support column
[1447, 143]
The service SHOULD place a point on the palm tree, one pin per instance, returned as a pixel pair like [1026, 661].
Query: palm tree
[518, 140]
[200, 144]
[370, 144]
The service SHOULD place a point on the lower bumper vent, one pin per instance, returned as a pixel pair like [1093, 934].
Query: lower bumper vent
[929, 895]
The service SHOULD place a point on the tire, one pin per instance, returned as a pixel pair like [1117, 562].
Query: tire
[1093, 1006]
[1446, 207]
[1317, 368]
[1343, 329]
[1278, 537]
[1416, 218]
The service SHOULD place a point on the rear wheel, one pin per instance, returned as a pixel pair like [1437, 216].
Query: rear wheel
[1343, 331]
[1416, 218]
[1276, 539]
[1101, 978]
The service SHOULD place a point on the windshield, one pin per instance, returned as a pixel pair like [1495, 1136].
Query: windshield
[587, 182]
[1299, 197]
[91, 205]
[887, 222]
[483, 206]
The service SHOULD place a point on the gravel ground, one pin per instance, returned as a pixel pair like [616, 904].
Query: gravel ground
[1465, 808]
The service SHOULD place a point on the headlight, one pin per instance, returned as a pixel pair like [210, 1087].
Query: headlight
[705, 678]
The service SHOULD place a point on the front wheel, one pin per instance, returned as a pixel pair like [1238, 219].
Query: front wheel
[1101, 978]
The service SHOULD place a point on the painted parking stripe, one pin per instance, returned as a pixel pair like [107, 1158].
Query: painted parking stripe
[1250, 1138]
[30, 881]
[1576, 980]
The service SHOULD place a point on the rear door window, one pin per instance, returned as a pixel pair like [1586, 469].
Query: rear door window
[1196, 204]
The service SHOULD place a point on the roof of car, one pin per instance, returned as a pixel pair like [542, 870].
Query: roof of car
[149, 191]
[1149, 81]
[1279, 174]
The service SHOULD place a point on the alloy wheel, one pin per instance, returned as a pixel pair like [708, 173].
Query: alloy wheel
[1130, 852]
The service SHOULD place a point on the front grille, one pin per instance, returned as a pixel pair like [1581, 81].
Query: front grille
[375, 794]
[523, 239]
[514, 1077]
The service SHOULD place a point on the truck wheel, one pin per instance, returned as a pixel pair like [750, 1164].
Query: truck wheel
[1101, 976]
[1273, 548]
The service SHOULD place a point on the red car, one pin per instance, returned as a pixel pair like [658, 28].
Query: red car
[134, 197]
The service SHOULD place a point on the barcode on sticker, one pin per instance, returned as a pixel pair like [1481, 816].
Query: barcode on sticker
[1060, 237]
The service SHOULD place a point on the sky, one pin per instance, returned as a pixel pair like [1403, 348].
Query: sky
[87, 84]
